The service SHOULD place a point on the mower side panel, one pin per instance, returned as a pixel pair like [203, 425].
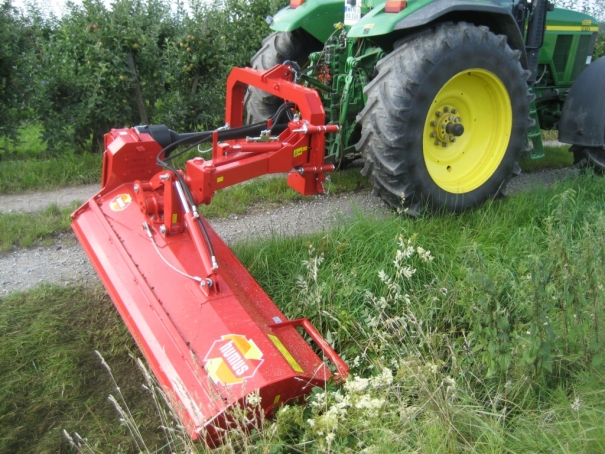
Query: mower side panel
[583, 116]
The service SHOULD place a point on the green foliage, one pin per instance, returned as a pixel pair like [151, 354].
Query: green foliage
[599, 50]
[140, 62]
[13, 79]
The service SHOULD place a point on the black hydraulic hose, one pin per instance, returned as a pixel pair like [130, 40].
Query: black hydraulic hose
[197, 138]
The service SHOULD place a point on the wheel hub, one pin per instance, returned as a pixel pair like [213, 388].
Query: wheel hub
[446, 126]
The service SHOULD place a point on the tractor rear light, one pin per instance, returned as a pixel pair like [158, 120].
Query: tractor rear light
[395, 6]
[296, 3]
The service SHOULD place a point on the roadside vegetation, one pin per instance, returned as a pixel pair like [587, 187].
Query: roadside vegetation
[477, 332]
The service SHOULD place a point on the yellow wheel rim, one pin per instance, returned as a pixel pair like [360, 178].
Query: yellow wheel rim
[477, 101]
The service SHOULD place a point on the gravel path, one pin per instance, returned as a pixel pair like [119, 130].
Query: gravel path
[65, 263]
[29, 202]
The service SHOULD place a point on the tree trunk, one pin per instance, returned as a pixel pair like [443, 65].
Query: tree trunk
[137, 89]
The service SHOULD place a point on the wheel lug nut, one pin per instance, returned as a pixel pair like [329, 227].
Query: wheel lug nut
[438, 113]
[437, 142]
[433, 134]
[454, 111]
[446, 109]
[458, 120]
[450, 118]
[433, 123]
[444, 144]
[452, 138]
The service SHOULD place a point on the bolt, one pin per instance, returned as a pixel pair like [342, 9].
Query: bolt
[433, 134]
[454, 111]
[437, 142]
[433, 123]
[452, 138]
[446, 109]
[450, 118]
[444, 144]
[438, 113]
[136, 188]
[163, 230]
[457, 120]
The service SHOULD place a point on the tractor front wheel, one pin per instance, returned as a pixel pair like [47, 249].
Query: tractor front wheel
[445, 120]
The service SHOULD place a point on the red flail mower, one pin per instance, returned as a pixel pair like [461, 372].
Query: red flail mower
[211, 335]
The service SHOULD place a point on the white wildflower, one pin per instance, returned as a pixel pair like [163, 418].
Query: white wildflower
[424, 255]
[384, 379]
[330, 438]
[576, 405]
[254, 399]
[311, 422]
[370, 405]
[408, 271]
[356, 384]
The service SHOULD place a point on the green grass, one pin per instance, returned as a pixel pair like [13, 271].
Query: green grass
[35, 175]
[554, 158]
[26, 229]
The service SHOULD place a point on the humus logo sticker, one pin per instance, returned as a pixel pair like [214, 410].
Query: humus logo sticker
[120, 202]
[232, 359]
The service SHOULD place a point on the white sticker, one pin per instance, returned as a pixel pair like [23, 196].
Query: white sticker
[120, 202]
[352, 11]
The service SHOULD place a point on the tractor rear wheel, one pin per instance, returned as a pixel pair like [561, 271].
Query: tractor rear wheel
[277, 48]
[446, 119]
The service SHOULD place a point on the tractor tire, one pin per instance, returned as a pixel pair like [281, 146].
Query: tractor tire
[446, 120]
[277, 48]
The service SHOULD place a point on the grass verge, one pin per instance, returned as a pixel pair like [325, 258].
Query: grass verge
[38, 175]
[478, 333]
[26, 229]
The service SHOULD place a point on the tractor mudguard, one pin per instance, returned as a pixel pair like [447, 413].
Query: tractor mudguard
[583, 116]
[498, 19]
[315, 17]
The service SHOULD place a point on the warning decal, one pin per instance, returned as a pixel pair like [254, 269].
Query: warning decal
[232, 359]
[120, 202]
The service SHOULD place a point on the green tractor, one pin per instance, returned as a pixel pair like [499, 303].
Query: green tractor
[441, 98]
